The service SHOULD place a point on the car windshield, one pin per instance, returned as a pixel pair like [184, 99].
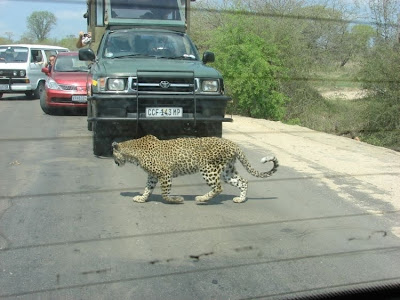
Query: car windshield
[68, 63]
[13, 54]
[149, 44]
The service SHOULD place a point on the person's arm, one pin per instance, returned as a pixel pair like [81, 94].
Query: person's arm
[79, 43]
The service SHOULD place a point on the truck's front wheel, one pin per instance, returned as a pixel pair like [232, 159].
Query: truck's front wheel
[210, 129]
[102, 139]
[104, 133]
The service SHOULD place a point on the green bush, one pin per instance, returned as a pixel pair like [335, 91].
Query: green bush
[250, 67]
[380, 74]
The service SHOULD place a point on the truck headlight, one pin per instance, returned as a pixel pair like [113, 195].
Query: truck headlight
[115, 84]
[209, 86]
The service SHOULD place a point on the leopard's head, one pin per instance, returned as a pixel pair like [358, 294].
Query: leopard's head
[119, 157]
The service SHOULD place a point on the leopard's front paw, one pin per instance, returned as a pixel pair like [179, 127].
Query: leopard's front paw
[238, 199]
[140, 199]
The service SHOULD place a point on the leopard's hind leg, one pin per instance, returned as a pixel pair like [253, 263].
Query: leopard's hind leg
[212, 176]
[166, 183]
[232, 177]
[150, 185]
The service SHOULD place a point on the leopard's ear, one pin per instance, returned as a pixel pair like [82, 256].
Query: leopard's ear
[115, 145]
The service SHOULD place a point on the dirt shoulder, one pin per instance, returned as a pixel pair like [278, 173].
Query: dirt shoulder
[368, 169]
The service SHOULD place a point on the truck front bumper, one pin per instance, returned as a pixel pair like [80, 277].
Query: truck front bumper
[131, 108]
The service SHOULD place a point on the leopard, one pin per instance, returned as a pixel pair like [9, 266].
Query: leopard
[213, 157]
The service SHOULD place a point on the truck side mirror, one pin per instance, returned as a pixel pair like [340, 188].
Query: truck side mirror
[208, 57]
[87, 54]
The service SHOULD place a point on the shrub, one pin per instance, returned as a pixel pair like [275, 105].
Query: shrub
[380, 74]
[250, 67]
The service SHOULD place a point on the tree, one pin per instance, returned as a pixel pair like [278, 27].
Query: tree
[384, 13]
[9, 35]
[26, 39]
[40, 23]
[357, 43]
[4, 41]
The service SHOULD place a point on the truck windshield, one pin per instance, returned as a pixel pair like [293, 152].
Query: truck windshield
[13, 54]
[168, 45]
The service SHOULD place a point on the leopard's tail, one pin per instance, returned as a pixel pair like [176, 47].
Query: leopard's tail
[242, 158]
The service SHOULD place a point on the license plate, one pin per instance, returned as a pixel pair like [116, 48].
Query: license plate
[4, 87]
[164, 112]
[79, 98]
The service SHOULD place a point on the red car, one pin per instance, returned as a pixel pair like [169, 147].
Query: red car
[65, 87]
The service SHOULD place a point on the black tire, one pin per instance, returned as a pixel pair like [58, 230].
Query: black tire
[30, 95]
[209, 129]
[102, 139]
[39, 90]
[46, 109]
[1, 95]
[36, 93]
[104, 133]
[89, 115]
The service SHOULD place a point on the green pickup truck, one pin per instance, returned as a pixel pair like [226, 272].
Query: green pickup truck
[149, 78]
[152, 81]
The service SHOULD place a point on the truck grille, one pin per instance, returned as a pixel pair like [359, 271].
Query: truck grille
[164, 82]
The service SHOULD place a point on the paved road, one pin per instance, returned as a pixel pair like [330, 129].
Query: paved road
[69, 229]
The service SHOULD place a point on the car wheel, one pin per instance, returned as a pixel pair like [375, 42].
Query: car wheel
[39, 90]
[1, 95]
[43, 103]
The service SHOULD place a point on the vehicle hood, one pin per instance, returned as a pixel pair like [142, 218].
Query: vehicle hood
[129, 67]
[72, 78]
[13, 65]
